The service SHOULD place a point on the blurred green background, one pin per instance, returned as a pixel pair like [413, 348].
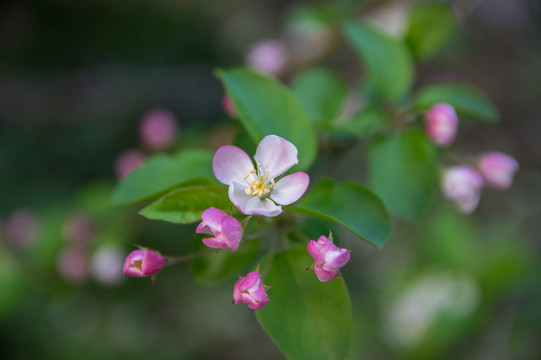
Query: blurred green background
[76, 77]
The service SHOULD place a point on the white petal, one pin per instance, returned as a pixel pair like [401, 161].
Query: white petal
[231, 164]
[276, 155]
[290, 188]
[265, 207]
[238, 196]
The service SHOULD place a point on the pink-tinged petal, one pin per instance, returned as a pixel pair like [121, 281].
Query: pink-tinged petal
[290, 188]
[203, 228]
[276, 155]
[232, 232]
[335, 259]
[315, 250]
[263, 207]
[231, 164]
[325, 275]
[215, 243]
[152, 263]
[238, 196]
[213, 218]
[133, 264]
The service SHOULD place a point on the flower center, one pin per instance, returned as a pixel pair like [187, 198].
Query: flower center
[261, 186]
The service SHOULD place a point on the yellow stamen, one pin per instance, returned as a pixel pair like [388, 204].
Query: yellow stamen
[248, 191]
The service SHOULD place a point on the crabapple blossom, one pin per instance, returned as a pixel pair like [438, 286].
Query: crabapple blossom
[251, 291]
[143, 262]
[254, 191]
[227, 230]
[441, 124]
[463, 185]
[498, 169]
[329, 258]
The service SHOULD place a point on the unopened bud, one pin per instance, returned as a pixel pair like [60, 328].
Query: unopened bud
[498, 169]
[141, 263]
[463, 185]
[251, 291]
[158, 129]
[329, 258]
[442, 124]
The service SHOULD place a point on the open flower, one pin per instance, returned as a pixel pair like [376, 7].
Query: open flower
[329, 258]
[254, 191]
[498, 169]
[463, 185]
[226, 229]
[441, 124]
[141, 263]
[251, 291]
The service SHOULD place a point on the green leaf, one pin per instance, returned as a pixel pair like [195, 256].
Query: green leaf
[351, 205]
[467, 100]
[388, 62]
[321, 92]
[365, 122]
[12, 283]
[306, 319]
[161, 173]
[185, 205]
[219, 266]
[430, 26]
[403, 171]
[266, 107]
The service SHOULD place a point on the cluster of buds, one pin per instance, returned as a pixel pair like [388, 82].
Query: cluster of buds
[463, 183]
[254, 191]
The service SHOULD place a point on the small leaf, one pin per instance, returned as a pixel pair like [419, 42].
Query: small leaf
[403, 171]
[321, 92]
[221, 265]
[266, 107]
[306, 319]
[467, 100]
[349, 204]
[430, 26]
[389, 64]
[161, 173]
[185, 205]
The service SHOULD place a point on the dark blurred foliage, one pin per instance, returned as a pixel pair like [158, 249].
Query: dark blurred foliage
[75, 79]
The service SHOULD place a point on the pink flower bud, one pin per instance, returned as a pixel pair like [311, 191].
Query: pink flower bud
[251, 291]
[498, 169]
[329, 258]
[226, 229]
[141, 263]
[267, 56]
[463, 185]
[228, 107]
[128, 161]
[158, 129]
[441, 124]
